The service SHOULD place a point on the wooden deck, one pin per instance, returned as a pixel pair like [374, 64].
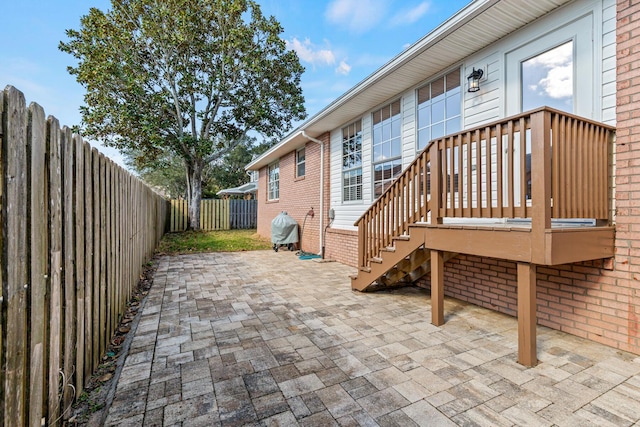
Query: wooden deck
[535, 174]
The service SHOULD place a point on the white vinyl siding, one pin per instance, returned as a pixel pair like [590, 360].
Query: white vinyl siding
[609, 62]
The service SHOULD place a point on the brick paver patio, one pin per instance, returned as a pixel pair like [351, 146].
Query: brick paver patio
[263, 338]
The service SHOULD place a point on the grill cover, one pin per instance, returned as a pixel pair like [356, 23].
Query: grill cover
[284, 229]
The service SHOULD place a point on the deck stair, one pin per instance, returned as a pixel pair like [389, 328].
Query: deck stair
[544, 166]
[397, 266]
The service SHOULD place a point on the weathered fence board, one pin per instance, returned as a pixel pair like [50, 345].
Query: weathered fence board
[216, 214]
[88, 260]
[15, 249]
[39, 253]
[2, 293]
[80, 260]
[69, 347]
[76, 231]
[55, 268]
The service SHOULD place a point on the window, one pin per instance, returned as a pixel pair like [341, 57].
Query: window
[547, 79]
[387, 147]
[439, 108]
[300, 162]
[352, 162]
[274, 181]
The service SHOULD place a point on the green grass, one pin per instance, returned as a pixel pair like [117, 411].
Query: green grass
[212, 241]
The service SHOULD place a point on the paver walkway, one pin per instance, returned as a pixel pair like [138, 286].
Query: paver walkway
[262, 338]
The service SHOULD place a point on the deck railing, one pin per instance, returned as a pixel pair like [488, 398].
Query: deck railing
[541, 164]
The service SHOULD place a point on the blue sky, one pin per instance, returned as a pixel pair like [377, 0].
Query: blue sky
[339, 42]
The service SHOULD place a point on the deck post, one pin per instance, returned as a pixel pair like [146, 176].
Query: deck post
[435, 202]
[437, 288]
[540, 183]
[527, 348]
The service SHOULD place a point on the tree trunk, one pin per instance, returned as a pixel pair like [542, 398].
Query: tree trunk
[194, 193]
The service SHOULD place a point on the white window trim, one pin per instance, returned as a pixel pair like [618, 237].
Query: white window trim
[391, 159]
[303, 162]
[343, 170]
[277, 181]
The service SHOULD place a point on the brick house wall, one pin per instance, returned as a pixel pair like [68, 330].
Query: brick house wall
[342, 246]
[297, 195]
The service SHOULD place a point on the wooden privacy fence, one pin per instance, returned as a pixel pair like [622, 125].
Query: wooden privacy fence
[77, 230]
[216, 214]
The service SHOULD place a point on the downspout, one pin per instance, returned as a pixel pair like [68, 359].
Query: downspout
[304, 134]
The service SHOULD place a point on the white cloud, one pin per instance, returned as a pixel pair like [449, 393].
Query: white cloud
[343, 68]
[558, 83]
[310, 53]
[357, 16]
[410, 15]
[556, 65]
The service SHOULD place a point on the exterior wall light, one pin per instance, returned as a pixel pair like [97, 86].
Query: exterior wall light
[474, 80]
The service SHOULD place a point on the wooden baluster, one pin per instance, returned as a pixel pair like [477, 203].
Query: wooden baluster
[499, 170]
[436, 188]
[510, 180]
[477, 212]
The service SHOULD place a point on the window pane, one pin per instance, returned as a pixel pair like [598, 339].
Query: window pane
[424, 117]
[437, 111]
[453, 105]
[423, 137]
[453, 80]
[437, 87]
[423, 94]
[377, 153]
[453, 125]
[386, 131]
[547, 79]
[437, 130]
[377, 135]
[386, 152]
[396, 147]
[395, 129]
[377, 190]
[386, 113]
[395, 108]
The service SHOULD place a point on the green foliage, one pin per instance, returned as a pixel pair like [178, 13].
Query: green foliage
[168, 175]
[184, 79]
[212, 241]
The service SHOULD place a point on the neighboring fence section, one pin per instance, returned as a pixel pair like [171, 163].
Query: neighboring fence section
[216, 214]
[77, 230]
[244, 213]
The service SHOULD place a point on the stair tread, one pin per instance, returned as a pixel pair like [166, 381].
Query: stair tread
[402, 237]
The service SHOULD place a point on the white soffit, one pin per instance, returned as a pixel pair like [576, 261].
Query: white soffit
[473, 28]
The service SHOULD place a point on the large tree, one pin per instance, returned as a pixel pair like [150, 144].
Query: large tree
[185, 78]
[166, 173]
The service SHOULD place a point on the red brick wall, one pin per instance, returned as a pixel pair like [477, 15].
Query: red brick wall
[342, 246]
[297, 195]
